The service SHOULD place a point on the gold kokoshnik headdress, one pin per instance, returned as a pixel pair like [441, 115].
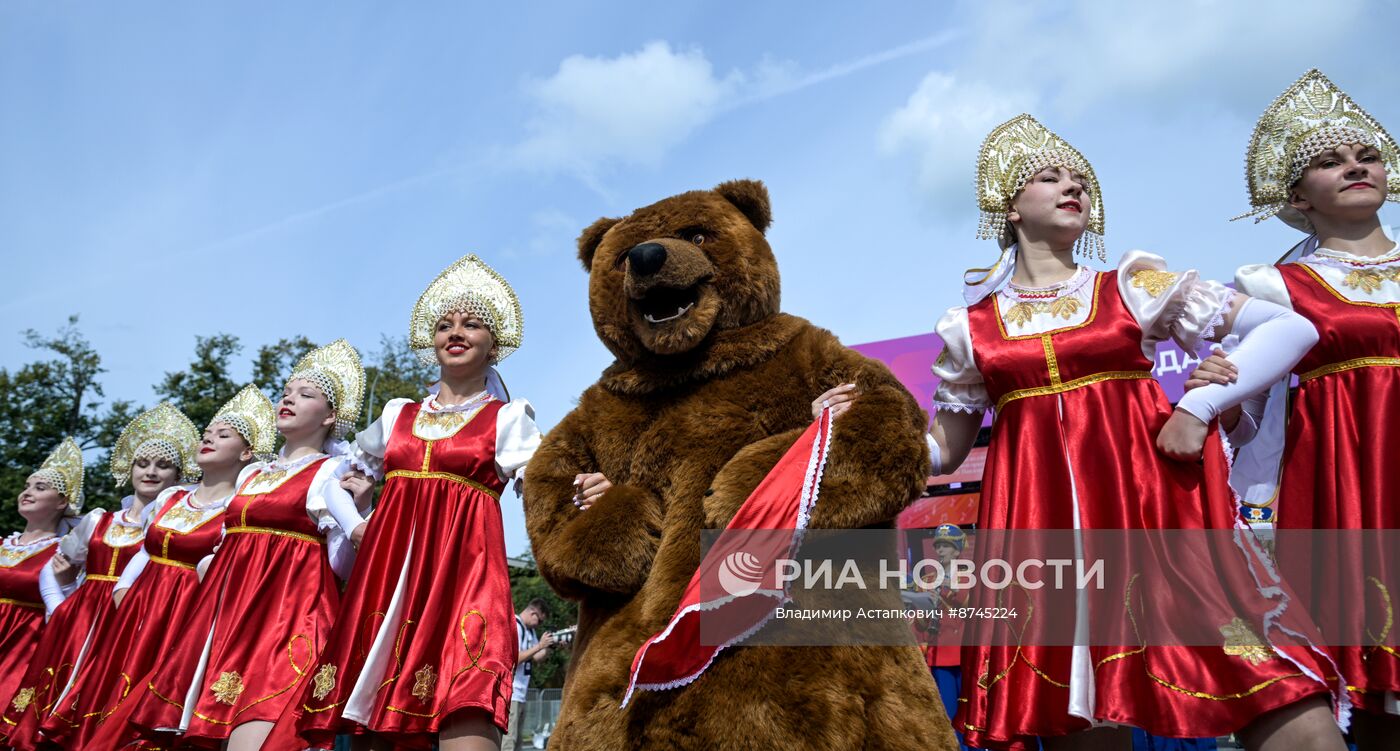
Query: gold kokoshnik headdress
[1310, 117]
[468, 286]
[1010, 155]
[63, 469]
[251, 413]
[337, 372]
[162, 432]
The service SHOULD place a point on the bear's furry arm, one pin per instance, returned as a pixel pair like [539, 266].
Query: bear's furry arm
[878, 461]
[607, 548]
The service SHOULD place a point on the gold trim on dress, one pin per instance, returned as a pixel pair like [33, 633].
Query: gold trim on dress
[101, 577]
[410, 474]
[1345, 365]
[277, 532]
[22, 603]
[172, 562]
[1052, 362]
[1078, 383]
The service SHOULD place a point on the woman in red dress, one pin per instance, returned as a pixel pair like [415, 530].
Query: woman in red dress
[158, 586]
[1084, 439]
[1325, 167]
[49, 495]
[270, 594]
[424, 645]
[152, 451]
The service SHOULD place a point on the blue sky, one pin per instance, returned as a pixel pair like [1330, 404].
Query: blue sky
[170, 170]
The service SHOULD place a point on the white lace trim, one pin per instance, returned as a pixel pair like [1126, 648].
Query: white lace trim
[1217, 319]
[430, 403]
[958, 407]
[13, 542]
[1073, 284]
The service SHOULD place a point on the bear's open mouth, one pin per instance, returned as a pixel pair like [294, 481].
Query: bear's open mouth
[666, 304]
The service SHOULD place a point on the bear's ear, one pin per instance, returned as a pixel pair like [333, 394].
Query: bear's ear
[591, 238]
[750, 197]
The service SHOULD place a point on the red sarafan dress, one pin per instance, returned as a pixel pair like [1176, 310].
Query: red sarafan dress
[1340, 442]
[102, 543]
[427, 628]
[262, 613]
[1068, 370]
[21, 617]
[161, 583]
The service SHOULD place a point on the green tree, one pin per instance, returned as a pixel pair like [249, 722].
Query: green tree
[394, 372]
[275, 361]
[200, 390]
[43, 401]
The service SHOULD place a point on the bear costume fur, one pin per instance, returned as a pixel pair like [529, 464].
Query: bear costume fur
[711, 385]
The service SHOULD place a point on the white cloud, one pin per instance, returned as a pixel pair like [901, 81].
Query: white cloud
[939, 129]
[633, 108]
[629, 109]
[1066, 63]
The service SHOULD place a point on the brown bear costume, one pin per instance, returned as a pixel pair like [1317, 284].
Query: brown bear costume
[712, 384]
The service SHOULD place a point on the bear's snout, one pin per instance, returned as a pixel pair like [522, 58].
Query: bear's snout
[646, 258]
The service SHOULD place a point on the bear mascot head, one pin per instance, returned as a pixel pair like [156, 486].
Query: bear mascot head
[712, 384]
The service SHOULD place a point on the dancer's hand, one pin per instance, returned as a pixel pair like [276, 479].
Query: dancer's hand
[359, 486]
[63, 569]
[1214, 369]
[839, 399]
[588, 488]
[1183, 437]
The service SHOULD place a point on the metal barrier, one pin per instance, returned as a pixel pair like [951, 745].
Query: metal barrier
[539, 715]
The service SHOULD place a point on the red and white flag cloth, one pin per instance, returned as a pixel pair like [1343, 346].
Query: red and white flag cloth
[736, 589]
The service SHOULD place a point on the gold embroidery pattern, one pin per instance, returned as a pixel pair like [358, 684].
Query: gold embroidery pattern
[424, 682]
[23, 698]
[228, 688]
[291, 658]
[1370, 280]
[1061, 307]
[439, 422]
[324, 682]
[182, 518]
[11, 557]
[1241, 642]
[1153, 282]
[1098, 282]
[120, 535]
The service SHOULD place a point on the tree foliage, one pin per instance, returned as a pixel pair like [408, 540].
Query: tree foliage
[200, 390]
